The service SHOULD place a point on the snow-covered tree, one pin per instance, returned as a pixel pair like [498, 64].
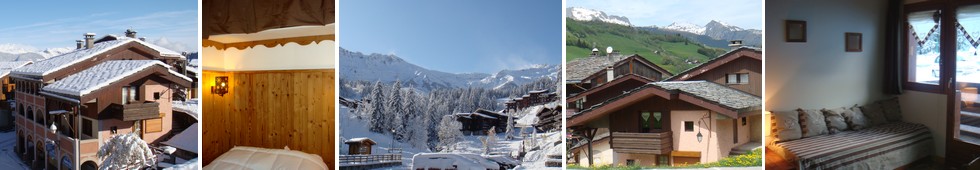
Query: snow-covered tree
[449, 132]
[394, 108]
[489, 140]
[126, 151]
[510, 125]
[375, 109]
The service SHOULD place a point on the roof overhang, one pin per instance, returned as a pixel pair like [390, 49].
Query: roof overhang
[604, 109]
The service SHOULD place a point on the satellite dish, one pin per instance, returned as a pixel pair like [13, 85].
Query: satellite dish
[609, 49]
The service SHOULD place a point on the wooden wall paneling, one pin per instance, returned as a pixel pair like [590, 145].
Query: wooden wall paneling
[272, 109]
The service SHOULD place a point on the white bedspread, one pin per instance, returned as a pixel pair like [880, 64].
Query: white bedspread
[243, 157]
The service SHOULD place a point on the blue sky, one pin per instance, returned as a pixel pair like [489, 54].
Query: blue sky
[44, 24]
[742, 13]
[456, 36]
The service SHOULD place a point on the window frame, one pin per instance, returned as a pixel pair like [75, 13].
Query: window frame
[686, 125]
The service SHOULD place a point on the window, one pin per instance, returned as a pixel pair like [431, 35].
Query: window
[744, 121]
[87, 127]
[129, 94]
[663, 160]
[580, 103]
[645, 122]
[113, 130]
[657, 120]
[923, 42]
[630, 162]
[156, 95]
[689, 126]
[737, 78]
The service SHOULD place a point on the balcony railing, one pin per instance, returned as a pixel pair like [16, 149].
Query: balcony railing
[642, 143]
[137, 111]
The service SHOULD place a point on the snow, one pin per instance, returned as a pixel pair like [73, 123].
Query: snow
[583, 14]
[16, 48]
[6, 67]
[186, 140]
[357, 140]
[188, 165]
[389, 68]
[102, 75]
[352, 128]
[44, 67]
[8, 158]
[126, 151]
[190, 107]
[686, 27]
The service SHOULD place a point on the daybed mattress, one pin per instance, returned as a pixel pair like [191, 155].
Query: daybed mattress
[886, 146]
[243, 157]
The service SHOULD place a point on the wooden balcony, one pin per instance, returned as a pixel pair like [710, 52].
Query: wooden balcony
[642, 143]
[136, 111]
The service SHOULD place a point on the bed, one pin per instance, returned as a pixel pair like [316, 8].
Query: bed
[243, 157]
[886, 146]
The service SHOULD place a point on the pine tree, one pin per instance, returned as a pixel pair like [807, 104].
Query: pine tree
[394, 110]
[375, 109]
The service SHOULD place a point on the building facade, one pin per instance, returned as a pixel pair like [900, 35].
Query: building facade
[69, 105]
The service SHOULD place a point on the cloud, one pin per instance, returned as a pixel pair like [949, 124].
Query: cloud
[179, 26]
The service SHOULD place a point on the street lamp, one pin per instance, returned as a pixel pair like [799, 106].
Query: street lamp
[700, 136]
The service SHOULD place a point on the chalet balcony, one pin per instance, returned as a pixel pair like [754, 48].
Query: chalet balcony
[642, 143]
[136, 111]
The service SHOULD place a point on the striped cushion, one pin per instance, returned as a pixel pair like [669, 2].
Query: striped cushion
[849, 147]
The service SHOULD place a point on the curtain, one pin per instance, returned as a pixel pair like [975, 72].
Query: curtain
[893, 65]
[251, 16]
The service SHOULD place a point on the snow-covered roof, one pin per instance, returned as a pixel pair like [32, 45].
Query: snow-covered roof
[47, 66]
[359, 140]
[468, 115]
[189, 107]
[101, 75]
[6, 67]
[186, 140]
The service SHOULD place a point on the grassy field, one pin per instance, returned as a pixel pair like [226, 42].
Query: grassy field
[667, 51]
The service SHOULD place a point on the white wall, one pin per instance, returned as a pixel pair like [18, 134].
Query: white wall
[818, 73]
[291, 56]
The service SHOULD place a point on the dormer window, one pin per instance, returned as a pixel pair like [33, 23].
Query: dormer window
[737, 78]
[129, 94]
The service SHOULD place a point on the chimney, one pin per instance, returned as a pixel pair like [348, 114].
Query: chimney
[78, 44]
[89, 40]
[130, 33]
[142, 38]
[595, 52]
[610, 74]
[735, 44]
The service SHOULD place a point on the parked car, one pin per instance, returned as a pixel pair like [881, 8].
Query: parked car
[963, 66]
[460, 161]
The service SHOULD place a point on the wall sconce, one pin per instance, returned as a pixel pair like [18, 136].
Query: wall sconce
[221, 85]
[700, 136]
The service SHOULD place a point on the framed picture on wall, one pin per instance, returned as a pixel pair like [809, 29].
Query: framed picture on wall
[852, 42]
[795, 31]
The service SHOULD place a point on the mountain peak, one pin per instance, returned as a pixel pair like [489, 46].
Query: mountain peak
[584, 14]
[686, 27]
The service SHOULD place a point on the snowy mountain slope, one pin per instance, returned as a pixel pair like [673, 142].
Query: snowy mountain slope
[686, 27]
[390, 68]
[718, 30]
[583, 14]
[19, 52]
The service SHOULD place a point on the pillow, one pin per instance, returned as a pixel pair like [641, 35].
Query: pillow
[785, 126]
[855, 118]
[875, 115]
[835, 121]
[812, 122]
[893, 113]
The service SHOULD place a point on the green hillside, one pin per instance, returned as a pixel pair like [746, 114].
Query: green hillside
[666, 50]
